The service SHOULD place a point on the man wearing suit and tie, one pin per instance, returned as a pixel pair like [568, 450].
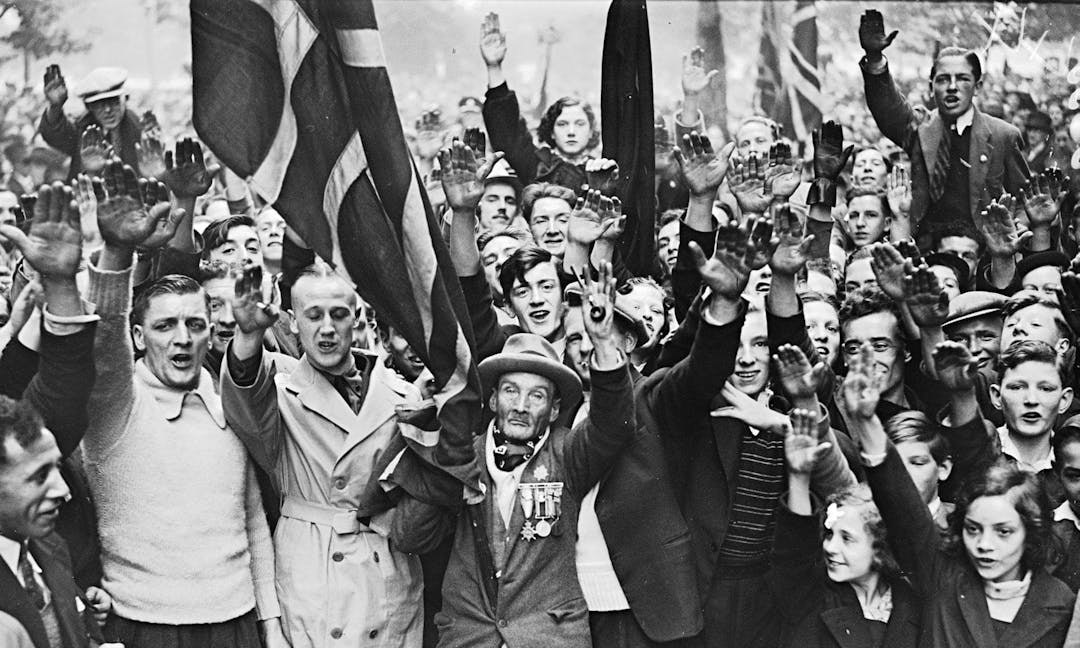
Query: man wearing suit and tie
[960, 157]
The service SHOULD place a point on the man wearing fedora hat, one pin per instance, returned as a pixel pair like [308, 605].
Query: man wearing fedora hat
[106, 124]
[511, 578]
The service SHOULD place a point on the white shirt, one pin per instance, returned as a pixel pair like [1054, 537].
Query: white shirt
[9, 551]
[506, 482]
[1008, 448]
[1065, 512]
[963, 122]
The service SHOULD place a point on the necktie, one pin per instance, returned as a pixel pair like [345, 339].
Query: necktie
[30, 584]
[351, 386]
[940, 170]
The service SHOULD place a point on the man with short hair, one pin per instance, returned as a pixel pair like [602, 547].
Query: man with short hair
[547, 208]
[495, 248]
[960, 157]
[186, 552]
[234, 241]
[499, 203]
[319, 425]
[271, 228]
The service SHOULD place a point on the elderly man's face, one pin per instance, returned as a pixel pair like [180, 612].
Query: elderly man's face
[108, 112]
[525, 405]
[175, 334]
[31, 487]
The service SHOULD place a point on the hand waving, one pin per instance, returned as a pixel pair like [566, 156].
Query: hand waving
[955, 366]
[593, 215]
[798, 378]
[889, 268]
[793, 249]
[694, 77]
[463, 175]
[702, 170]
[94, 149]
[56, 91]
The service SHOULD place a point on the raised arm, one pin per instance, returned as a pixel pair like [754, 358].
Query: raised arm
[892, 113]
[1003, 240]
[502, 115]
[55, 128]
[128, 215]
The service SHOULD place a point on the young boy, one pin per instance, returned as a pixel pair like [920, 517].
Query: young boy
[926, 456]
[1065, 561]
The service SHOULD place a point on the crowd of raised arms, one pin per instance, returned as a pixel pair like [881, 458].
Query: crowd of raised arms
[839, 411]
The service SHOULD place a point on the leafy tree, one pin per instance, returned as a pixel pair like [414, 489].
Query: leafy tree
[39, 34]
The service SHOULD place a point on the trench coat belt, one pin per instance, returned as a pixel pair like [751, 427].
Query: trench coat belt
[342, 521]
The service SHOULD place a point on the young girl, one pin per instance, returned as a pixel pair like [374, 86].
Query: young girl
[845, 589]
[985, 584]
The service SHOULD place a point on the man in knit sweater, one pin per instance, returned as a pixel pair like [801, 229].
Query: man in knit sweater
[186, 552]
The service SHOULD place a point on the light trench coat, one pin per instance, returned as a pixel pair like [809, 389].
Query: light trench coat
[339, 582]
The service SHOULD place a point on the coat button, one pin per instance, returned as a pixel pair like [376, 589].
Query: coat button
[982, 158]
[502, 623]
[338, 556]
[373, 634]
[339, 483]
[336, 633]
[376, 557]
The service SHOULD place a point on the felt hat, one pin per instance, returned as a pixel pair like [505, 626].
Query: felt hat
[973, 304]
[530, 353]
[503, 173]
[1039, 260]
[103, 83]
[572, 296]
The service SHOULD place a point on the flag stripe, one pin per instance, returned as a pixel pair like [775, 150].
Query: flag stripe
[361, 47]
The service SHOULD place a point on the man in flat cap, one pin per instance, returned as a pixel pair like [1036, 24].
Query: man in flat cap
[107, 126]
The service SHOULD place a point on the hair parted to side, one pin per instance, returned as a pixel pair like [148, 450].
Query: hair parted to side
[173, 284]
[1022, 351]
[216, 234]
[538, 190]
[518, 264]
[914, 426]
[1023, 490]
[545, 131]
[19, 421]
[970, 55]
[867, 301]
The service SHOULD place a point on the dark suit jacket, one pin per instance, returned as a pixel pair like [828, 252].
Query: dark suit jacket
[997, 158]
[954, 603]
[64, 136]
[77, 630]
[536, 601]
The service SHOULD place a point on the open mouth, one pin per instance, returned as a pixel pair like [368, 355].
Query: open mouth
[182, 360]
[951, 101]
[327, 347]
[747, 376]
[822, 351]
[539, 315]
[1031, 417]
[225, 334]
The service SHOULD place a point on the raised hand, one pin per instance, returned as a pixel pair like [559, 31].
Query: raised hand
[747, 181]
[862, 385]
[783, 175]
[151, 154]
[928, 303]
[123, 220]
[872, 36]
[30, 297]
[802, 447]
[830, 156]
[728, 270]
[155, 197]
[593, 216]
[94, 149]
[898, 192]
[56, 91]
[694, 77]
[475, 139]
[598, 304]
[612, 220]
[955, 366]
[253, 310]
[793, 246]
[603, 175]
[998, 228]
[53, 243]
[150, 123]
[186, 173]
[492, 41]
[798, 378]
[430, 134]
[463, 175]
[702, 170]
[890, 267]
[1042, 198]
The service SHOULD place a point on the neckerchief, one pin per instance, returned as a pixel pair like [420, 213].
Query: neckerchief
[510, 454]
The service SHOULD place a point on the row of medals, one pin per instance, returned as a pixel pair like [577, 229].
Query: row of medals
[542, 503]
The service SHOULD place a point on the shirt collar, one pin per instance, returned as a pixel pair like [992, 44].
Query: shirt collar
[963, 122]
[935, 506]
[9, 552]
[1008, 448]
[1066, 512]
[171, 400]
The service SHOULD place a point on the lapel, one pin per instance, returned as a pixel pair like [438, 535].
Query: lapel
[727, 434]
[903, 624]
[930, 133]
[979, 156]
[61, 583]
[316, 394]
[972, 603]
[847, 626]
[14, 601]
[1040, 612]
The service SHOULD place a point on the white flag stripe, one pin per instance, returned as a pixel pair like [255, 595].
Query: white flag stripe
[419, 254]
[295, 35]
[361, 48]
[347, 169]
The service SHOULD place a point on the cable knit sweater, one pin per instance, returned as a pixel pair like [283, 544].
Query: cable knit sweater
[184, 539]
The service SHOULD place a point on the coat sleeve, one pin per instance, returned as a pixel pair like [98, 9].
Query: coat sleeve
[485, 324]
[252, 410]
[892, 113]
[61, 389]
[594, 444]
[1016, 166]
[794, 577]
[508, 133]
[261, 549]
[913, 536]
[113, 396]
[59, 133]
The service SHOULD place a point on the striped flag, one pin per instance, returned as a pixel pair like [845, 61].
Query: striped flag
[792, 76]
[294, 95]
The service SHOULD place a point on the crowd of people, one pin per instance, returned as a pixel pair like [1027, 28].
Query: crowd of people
[837, 411]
